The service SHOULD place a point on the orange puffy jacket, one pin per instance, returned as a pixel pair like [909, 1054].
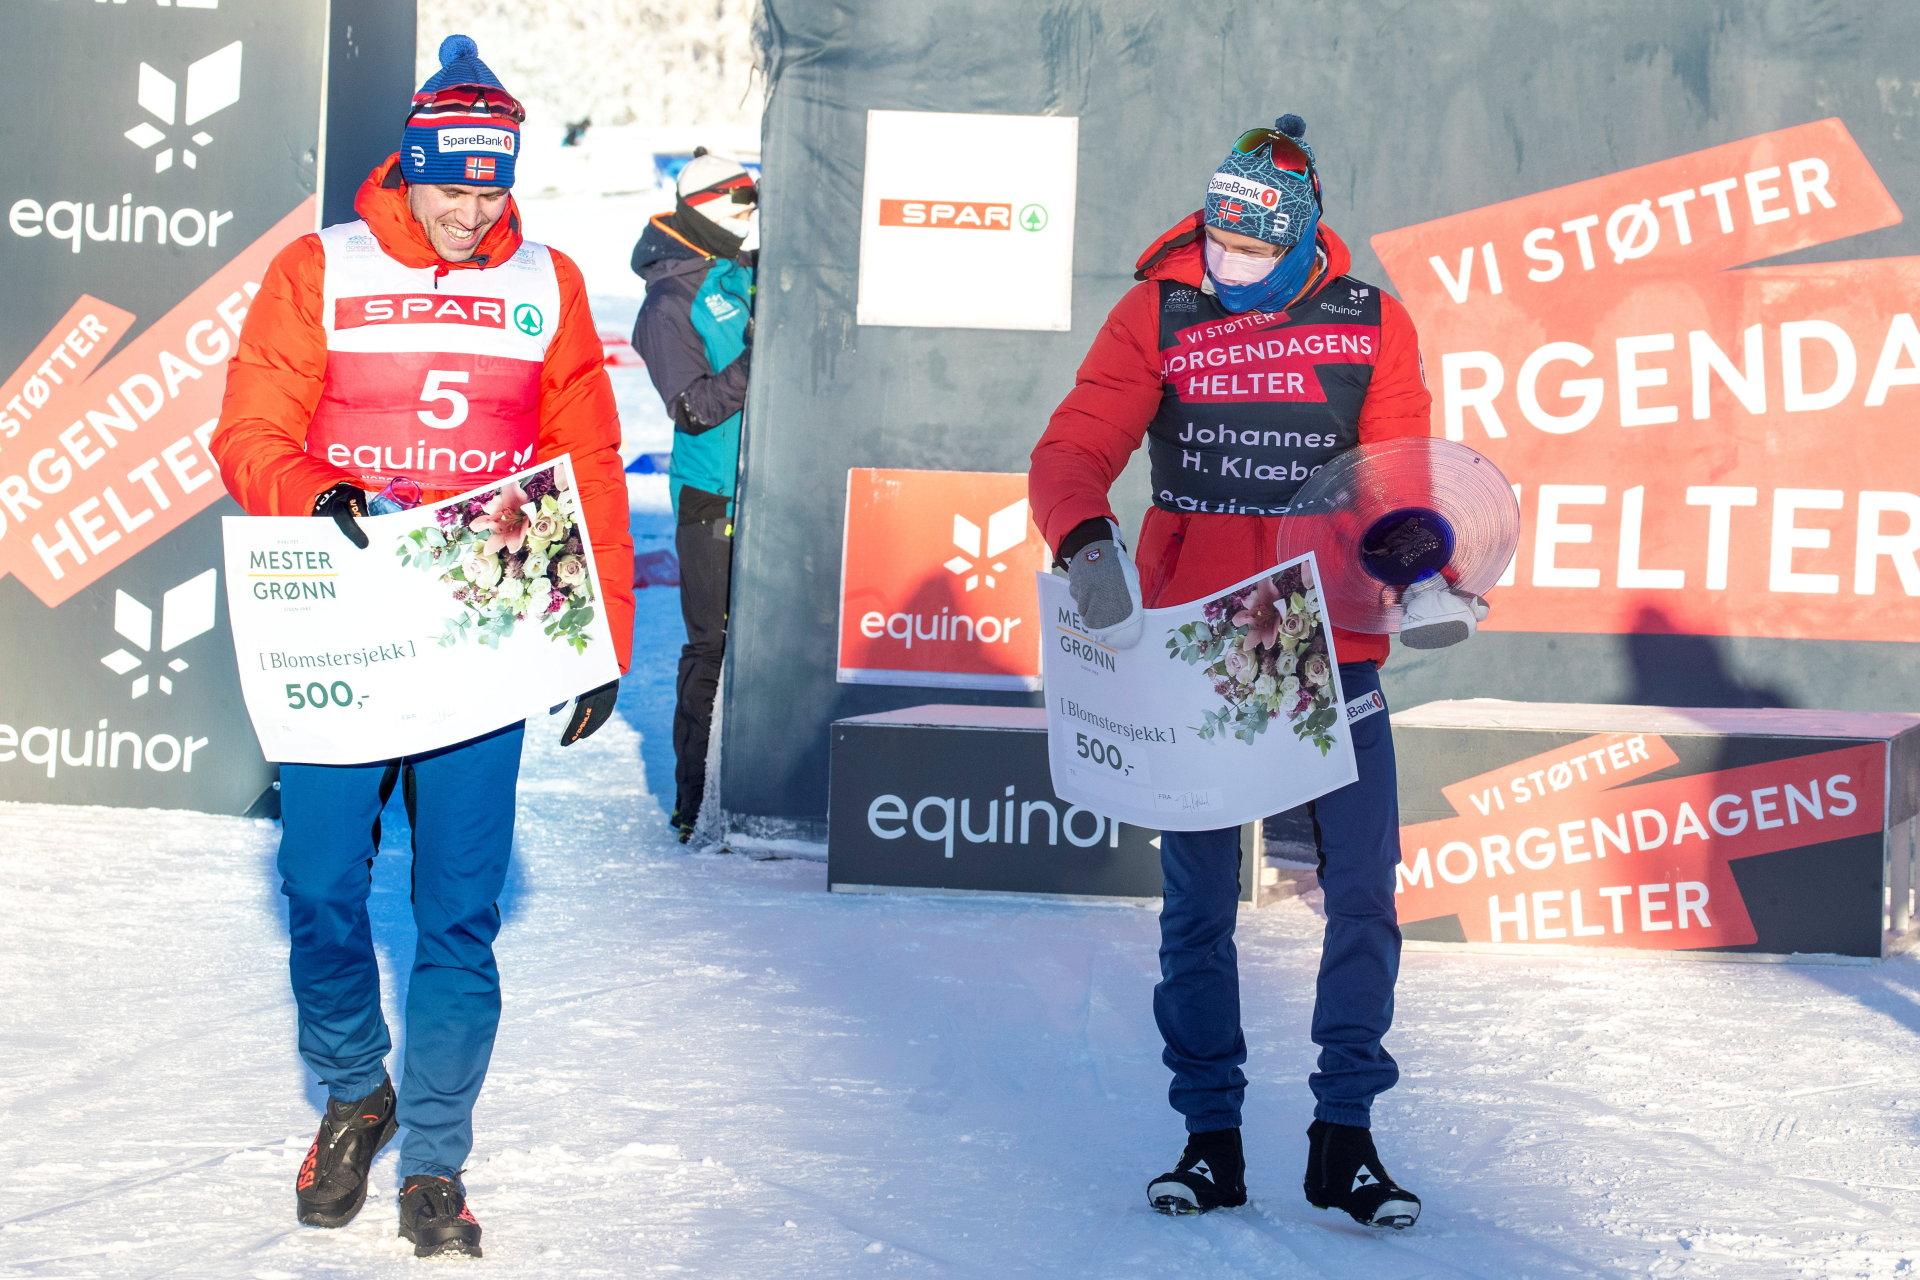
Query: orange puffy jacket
[273, 386]
[1182, 556]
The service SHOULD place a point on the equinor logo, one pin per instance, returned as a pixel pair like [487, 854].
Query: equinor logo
[185, 612]
[213, 85]
[1006, 529]
[1006, 819]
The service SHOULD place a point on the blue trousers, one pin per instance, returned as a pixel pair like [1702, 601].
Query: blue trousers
[460, 801]
[1197, 1003]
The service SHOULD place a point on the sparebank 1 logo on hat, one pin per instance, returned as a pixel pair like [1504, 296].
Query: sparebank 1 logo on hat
[1238, 188]
[212, 85]
[1006, 529]
[186, 611]
[500, 140]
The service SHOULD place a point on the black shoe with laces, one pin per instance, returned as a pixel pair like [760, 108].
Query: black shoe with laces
[435, 1217]
[1212, 1174]
[1344, 1172]
[333, 1178]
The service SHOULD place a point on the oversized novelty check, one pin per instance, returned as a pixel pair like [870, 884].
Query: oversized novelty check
[1228, 710]
[458, 618]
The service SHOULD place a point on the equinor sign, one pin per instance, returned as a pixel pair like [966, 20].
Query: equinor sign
[937, 583]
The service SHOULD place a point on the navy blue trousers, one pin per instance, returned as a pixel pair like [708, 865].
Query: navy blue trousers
[460, 801]
[1197, 1002]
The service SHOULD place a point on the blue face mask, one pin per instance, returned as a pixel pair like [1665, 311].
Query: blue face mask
[1277, 287]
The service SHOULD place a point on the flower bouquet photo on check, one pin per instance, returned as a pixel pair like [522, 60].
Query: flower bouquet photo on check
[1228, 709]
[457, 618]
[1265, 648]
[508, 555]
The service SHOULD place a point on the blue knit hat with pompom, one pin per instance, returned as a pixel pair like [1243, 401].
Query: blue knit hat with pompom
[464, 128]
[1253, 195]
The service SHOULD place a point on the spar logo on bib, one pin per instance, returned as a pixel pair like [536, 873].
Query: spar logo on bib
[422, 308]
[937, 582]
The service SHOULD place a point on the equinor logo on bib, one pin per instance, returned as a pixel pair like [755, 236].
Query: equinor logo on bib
[450, 421]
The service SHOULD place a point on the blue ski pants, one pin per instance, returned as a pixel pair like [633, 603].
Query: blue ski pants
[460, 801]
[1197, 1002]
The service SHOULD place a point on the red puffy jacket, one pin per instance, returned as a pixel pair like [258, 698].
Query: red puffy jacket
[1181, 556]
[274, 380]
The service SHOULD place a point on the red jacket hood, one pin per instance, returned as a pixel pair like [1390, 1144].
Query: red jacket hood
[1176, 255]
[382, 201]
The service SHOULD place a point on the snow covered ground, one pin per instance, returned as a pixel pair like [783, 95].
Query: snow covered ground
[709, 1066]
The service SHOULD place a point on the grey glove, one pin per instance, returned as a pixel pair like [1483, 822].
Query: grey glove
[1105, 585]
[1437, 616]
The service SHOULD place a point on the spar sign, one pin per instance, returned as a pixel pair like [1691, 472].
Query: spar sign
[1762, 830]
[1699, 446]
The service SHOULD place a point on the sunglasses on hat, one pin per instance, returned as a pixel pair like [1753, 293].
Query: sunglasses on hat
[1287, 154]
[470, 100]
[736, 190]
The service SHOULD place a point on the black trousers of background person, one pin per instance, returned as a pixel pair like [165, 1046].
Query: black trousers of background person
[704, 543]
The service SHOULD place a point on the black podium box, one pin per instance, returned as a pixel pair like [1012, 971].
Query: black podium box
[1757, 831]
[953, 799]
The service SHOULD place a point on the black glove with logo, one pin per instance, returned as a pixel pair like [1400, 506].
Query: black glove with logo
[590, 710]
[344, 502]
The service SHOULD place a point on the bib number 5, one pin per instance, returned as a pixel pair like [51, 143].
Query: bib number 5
[439, 389]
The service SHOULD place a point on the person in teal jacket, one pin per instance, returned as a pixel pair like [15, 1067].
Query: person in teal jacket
[695, 332]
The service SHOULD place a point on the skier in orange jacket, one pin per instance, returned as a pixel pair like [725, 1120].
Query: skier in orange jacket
[427, 346]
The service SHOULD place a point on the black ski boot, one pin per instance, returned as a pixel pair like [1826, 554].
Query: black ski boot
[1212, 1174]
[434, 1215]
[333, 1179]
[1344, 1172]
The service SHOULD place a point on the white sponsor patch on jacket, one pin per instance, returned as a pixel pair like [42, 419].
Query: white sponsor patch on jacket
[1365, 705]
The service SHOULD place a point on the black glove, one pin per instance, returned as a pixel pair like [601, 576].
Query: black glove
[590, 710]
[343, 502]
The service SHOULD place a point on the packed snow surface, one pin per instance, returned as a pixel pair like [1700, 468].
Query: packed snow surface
[709, 1066]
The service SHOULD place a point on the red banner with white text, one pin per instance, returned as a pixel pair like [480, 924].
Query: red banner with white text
[1700, 446]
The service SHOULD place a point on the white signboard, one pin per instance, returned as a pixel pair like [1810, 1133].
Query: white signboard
[1227, 711]
[457, 619]
[966, 221]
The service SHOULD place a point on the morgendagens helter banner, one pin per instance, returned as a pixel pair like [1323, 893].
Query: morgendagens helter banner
[174, 153]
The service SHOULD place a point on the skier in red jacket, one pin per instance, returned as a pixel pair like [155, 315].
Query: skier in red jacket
[425, 348]
[1247, 358]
